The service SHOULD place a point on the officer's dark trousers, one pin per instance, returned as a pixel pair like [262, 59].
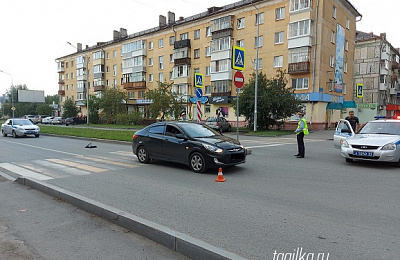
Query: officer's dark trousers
[300, 144]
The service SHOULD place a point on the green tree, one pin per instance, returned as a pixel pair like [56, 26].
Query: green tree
[50, 99]
[164, 101]
[112, 102]
[94, 107]
[70, 110]
[275, 102]
[44, 109]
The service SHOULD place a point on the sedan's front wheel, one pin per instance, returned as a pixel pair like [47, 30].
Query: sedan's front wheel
[197, 162]
[14, 134]
[142, 155]
[3, 133]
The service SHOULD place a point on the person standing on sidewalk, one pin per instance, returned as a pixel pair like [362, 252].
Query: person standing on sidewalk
[302, 129]
[353, 120]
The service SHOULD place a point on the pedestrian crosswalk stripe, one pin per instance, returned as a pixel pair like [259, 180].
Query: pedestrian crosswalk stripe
[110, 162]
[59, 170]
[124, 153]
[78, 165]
[24, 172]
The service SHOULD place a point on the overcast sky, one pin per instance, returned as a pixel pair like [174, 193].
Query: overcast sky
[35, 32]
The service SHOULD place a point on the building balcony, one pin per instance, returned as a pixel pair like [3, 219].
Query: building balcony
[382, 86]
[81, 65]
[98, 75]
[61, 82]
[183, 61]
[81, 78]
[135, 85]
[299, 67]
[394, 77]
[99, 88]
[395, 65]
[60, 69]
[301, 41]
[61, 92]
[393, 91]
[182, 44]
[98, 62]
[384, 56]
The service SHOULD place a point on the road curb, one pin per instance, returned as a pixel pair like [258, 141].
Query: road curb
[176, 241]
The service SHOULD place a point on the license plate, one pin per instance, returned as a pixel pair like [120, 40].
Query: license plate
[362, 153]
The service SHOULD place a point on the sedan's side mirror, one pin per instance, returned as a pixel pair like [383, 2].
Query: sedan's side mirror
[180, 136]
[346, 131]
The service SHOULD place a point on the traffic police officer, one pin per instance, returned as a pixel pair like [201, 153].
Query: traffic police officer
[302, 129]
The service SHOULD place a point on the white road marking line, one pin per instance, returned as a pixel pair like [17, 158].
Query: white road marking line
[38, 147]
[78, 165]
[24, 172]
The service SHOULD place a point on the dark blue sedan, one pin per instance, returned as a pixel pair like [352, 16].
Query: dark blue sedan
[193, 144]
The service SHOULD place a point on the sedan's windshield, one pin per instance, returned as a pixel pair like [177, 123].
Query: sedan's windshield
[198, 131]
[22, 122]
[390, 128]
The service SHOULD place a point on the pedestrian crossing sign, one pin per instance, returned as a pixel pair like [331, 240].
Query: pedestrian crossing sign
[238, 58]
[360, 90]
[198, 80]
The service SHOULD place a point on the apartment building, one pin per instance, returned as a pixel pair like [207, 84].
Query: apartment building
[376, 67]
[313, 41]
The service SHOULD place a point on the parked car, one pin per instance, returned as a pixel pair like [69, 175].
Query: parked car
[74, 121]
[193, 144]
[219, 123]
[19, 127]
[378, 140]
[30, 117]
[58, 120]
[38, 118]
[47, 120]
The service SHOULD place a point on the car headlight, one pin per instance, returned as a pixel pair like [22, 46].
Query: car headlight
[212, 148]
[345, 144]
[390, 146]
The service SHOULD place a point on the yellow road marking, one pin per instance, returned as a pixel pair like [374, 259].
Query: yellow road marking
[78, 165]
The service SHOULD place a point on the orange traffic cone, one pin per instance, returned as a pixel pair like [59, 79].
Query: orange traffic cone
[220, 177]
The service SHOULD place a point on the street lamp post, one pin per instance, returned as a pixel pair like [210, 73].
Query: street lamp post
[12, 91]
[256, 83]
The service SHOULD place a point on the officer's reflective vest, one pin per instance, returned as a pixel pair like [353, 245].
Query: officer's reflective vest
[305, 129]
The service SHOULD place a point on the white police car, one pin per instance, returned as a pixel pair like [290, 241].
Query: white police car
[378, 140]
[19, 127]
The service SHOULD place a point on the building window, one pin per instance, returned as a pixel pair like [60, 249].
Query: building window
[107, 83]
[207, 90]
[258, 42]
[197, 34]
[107, 69]
[330, 86]
[344, 88]
[278, 61]
[345, 67]
[260, 18]
[331, 61]
[208, 51]
[208, 31]
[240, 43]
[240, 23]
[115, 54]
[196, 70]
[141, 94]
[208, 71]
[161, 62]
[131, 95]
[221, 86]
[334, 12]
[171, 58]
[220, 44]
[161, 77]
[197, 53]
[150, 77]
[221, 65]
[150, 61]
[207, 109]
[333, 37]
[66, 65]
[171, 40]
[161, 43]
[170, 75]
[115, 83]
[115, 70]
[107, 55]
[299, 28]
[259, 64]
[299, 55]
[346, 45]
[300, 83]
[279, 36]
[72, 75]
[347, 23]
[151, 45]
[280, 13]
[184, 36]
[72, 64]
[297, 5]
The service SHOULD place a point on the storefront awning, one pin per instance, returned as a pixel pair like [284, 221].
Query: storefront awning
[334, 106]
[349, 104]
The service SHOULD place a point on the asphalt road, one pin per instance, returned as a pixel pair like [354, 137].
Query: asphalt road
[273, 205]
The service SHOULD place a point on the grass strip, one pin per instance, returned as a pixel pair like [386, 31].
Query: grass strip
[111, 134]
